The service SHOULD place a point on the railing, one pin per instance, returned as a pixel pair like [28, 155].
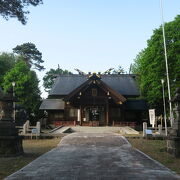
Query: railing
[150, 131]
[27, 129]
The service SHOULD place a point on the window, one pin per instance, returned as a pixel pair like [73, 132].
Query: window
[73, 112]
[58, 115]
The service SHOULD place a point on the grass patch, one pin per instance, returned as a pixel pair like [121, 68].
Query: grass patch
[32, 149]
[157, 150]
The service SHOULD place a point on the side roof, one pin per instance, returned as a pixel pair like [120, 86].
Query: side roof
[52, 104]
[124, 84]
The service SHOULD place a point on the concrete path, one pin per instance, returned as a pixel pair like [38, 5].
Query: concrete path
[89, 156]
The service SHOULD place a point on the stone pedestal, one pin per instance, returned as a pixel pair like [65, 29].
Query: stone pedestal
[173, 142]
[173, 146]
[10, 146]
[10, 142]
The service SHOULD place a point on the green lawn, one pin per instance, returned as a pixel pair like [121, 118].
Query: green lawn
[156, 149]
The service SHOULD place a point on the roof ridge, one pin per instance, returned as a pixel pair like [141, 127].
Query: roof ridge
[81, 75]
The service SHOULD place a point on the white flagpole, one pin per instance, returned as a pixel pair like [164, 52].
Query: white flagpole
[167, 71]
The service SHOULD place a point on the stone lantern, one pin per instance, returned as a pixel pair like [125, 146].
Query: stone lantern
[173, 142]
[10, 142]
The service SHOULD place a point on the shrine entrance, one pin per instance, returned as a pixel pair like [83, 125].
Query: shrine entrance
[95, 113]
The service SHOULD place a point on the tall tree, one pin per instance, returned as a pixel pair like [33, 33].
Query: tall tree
[26, 88]
[7, 61]
[16, 8]
[31, 55]
[48, 79]
[150, 63]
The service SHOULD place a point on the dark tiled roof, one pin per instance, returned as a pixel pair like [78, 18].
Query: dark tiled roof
[64, 84]
[123, 84]
[136, 105]
[52, 104]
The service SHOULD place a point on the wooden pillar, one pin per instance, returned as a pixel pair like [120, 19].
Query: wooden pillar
[122, 113]
[66, 113]
[107, 112]
[80, 115]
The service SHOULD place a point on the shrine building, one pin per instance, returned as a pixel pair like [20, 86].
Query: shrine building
[94, 100]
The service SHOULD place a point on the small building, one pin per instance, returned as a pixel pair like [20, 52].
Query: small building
[94, 100]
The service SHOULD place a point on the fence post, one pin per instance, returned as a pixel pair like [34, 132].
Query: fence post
[160, 129]
[38, 127]
[24, 128]
[27, 125]
[144, 128]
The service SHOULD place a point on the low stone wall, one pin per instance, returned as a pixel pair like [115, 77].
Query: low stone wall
[74, 123]
[131, 124]
[90, 123]
[64, 123]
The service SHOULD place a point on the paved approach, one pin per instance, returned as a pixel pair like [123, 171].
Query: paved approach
[89, 156]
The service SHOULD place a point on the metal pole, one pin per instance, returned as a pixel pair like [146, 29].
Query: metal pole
[167, 71]
[14, 105]
[164, 104]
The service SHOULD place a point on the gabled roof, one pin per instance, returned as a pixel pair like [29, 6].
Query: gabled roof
[123, 84]
[118, 98]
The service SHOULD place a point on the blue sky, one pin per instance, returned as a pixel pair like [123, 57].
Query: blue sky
[92, 35]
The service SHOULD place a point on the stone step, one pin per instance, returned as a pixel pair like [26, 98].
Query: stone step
[63, 129]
